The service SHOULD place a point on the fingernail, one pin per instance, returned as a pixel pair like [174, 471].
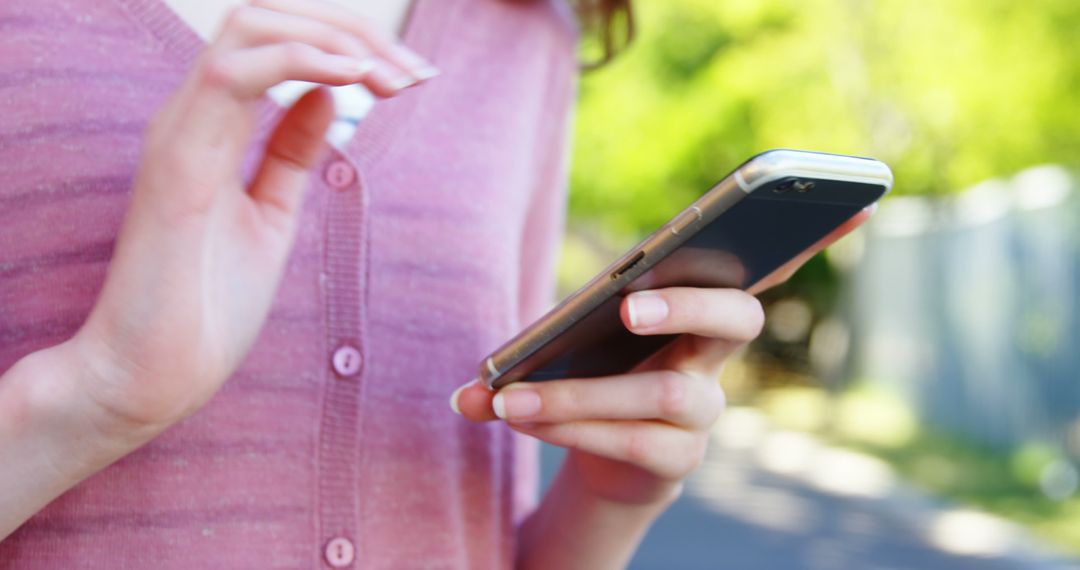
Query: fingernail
[363, 67]
[457, 394]
[392, 77]
[425, 73]
[646, 309]
[354, 66]
[402, 81]
[419, 67]
[516, 404]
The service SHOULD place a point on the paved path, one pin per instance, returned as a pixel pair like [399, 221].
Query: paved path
[767, 499]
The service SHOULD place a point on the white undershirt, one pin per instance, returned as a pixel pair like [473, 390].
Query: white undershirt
[351, 102]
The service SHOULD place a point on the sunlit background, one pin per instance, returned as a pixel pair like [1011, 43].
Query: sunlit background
[915, 399]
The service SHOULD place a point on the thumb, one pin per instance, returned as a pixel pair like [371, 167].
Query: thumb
[292, 150]
[473, 400]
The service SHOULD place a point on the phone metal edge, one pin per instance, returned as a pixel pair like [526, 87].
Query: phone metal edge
[657, 245]
[753, 174]
[772, 165]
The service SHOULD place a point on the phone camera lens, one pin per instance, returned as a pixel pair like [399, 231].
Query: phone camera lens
[784, 187]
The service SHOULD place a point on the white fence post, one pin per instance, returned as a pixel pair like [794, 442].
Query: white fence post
[969, 308]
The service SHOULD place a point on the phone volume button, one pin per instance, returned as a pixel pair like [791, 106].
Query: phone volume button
[685, 220]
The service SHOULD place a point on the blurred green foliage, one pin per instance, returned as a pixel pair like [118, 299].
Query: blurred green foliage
[948, 92]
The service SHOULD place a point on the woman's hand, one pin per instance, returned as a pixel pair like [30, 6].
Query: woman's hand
[634, 437]
[200, 255]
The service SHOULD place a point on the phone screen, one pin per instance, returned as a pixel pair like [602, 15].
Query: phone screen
[744, 244]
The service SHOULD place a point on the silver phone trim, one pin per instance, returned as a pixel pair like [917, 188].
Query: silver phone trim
[774, 165]
[752, 175]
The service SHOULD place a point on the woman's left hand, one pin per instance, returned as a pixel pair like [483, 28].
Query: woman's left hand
[634, 437]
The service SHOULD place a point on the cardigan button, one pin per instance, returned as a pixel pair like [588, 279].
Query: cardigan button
[340, 174]
[339, 552]
[346, 361]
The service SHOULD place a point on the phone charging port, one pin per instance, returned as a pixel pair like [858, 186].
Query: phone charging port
[628, 265]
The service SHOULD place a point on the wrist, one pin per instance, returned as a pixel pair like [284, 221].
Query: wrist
[577, 527]
[658, 501]
[43, 411]
[102, 381]
[630, 487]
[636, 512]
[50, 438]
[55, 396]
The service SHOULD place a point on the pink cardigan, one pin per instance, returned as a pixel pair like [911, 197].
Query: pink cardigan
[424, 243]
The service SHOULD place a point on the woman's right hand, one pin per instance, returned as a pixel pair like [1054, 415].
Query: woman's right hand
[200, 255]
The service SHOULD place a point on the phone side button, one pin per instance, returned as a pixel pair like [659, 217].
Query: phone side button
[685, 220]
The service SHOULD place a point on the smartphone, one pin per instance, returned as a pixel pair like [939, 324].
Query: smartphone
[769, 210]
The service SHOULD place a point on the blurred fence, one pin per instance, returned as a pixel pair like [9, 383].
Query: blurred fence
[969, 309]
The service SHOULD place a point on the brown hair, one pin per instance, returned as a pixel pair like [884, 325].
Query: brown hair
[608, 23]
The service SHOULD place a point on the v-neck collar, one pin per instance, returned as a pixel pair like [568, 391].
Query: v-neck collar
[422, 32]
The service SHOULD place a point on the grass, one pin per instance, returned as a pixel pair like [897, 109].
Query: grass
[1002, 482]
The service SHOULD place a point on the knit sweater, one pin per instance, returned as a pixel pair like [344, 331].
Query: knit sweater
[425, 241]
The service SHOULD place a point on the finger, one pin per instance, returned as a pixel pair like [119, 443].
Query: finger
[693, 267]
[728, 314]
[680, 399]
[337, 15]
[292, 150]
[246, 74]
[473, 400]
[249, 26]
[785, 271]
[694, 355]
[662, 449]
[213, 108]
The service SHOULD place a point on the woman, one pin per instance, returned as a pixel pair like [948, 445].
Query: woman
[344, 290]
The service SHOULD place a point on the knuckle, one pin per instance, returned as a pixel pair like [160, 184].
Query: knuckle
[754, 318]
[215, 71]
[717, 401]
[674, 400]
[295, 53]
[163, 153]
[684, 304]
[639, 447]
[694, 455]
[341, 42]
[686, 458]
[238, 18]
[291, 151]
[573, 436]
[561, 399]
[365, 27]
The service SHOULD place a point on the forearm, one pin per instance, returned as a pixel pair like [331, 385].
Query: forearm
[49, 440]
[574, 529]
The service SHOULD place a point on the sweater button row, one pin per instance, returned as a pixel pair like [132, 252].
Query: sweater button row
[346, 362]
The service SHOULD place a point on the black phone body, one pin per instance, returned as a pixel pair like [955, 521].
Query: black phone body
[769, 210]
